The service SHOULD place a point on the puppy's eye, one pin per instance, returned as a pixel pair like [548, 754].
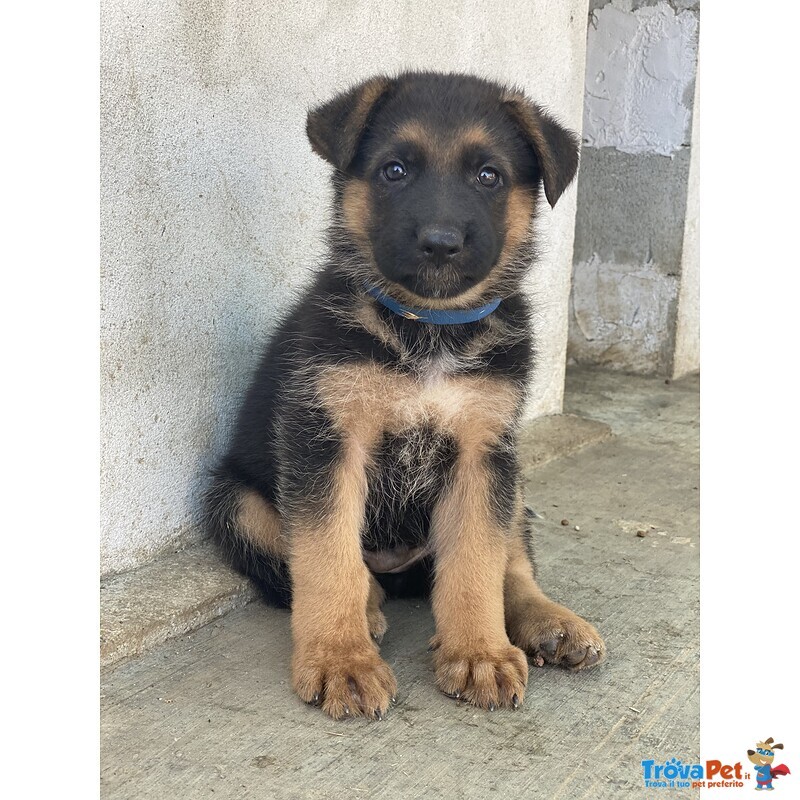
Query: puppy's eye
[394, 171]
[489, 177]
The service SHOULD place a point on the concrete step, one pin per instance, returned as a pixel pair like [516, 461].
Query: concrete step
[174, 595]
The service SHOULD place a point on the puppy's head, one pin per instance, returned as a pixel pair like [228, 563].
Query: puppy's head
[437, 180]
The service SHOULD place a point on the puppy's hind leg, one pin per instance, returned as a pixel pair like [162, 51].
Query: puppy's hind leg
[249, 529]
[546, 630]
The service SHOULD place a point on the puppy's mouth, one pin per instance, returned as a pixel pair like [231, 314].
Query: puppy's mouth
[438, 282]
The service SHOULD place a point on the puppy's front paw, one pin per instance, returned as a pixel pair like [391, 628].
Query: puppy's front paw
[556, 635]
[488, 677]
[344, 681]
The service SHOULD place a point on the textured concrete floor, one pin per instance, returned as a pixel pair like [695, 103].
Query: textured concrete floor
[212, 714]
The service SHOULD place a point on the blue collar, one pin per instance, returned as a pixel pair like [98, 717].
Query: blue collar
[435, 316]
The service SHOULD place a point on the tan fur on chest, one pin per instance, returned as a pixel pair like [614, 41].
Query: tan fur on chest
[367, 400]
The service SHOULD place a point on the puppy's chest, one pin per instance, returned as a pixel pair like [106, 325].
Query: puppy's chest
[414, 426]
[432, 396]
[372, 398]
[369, 402]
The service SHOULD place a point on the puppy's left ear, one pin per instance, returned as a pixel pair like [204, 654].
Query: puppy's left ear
[556, 147]
[336, 127]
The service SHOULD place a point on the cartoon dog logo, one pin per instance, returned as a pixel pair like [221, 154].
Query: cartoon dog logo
[762, 757]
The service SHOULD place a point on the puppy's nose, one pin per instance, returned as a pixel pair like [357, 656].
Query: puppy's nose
[440, 243]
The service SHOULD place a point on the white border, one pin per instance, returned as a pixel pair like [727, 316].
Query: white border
[49, 63]
[750, 304]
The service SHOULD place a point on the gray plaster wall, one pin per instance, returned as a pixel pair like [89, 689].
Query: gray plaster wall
[686, 355]
[633, 190]
[213, 208]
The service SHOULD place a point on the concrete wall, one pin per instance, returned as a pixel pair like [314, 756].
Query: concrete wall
[686, 354]
[633, 187]
[213, 208]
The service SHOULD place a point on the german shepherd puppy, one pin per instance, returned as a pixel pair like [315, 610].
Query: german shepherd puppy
[376, 445]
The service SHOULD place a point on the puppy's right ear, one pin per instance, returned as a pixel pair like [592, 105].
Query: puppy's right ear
[336, 127]
[556, 147]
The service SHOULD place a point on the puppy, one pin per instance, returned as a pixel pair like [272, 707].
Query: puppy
[376, 447]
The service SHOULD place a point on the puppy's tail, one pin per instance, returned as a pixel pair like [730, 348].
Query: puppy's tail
[231, 523]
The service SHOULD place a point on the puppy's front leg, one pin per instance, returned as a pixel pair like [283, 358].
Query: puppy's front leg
[474, 659]
[335, 661]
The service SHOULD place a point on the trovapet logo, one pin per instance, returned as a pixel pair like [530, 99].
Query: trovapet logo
[675, 774]
[715, 774]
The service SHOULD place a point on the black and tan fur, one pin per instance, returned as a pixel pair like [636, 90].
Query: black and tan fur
[377, 453]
